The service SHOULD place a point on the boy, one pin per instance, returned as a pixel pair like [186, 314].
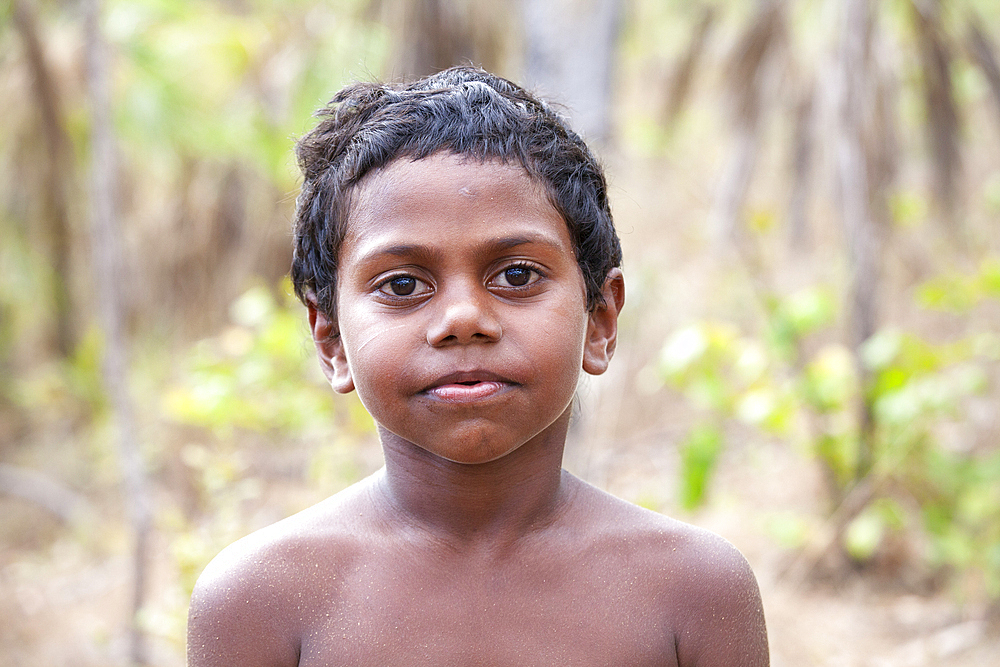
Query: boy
[455, 249]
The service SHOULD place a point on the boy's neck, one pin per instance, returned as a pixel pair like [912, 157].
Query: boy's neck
[488, 503]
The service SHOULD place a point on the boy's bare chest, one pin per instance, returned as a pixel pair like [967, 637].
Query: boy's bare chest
[386, 613]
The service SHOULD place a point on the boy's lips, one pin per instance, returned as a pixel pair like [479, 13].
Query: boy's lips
[467, 386]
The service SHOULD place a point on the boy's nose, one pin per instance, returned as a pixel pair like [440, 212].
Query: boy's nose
[464, 317]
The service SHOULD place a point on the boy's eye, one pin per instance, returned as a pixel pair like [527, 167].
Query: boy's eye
[517, 276]
[403, 286]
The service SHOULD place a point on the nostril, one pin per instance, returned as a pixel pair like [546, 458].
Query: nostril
[463, 322]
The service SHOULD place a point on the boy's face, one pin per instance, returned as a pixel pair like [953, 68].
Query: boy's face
[461, 308]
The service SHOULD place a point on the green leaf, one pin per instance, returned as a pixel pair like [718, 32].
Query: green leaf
[839, 452]
[809, 309]
[682, 349]
[757, 406]
[864, 534]
[881, 349]
[908, 208]
[830, 379]
[699, 454]
[791, 531]
[989, 278]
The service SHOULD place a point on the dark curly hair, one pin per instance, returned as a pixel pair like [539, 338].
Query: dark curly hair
[462, 110]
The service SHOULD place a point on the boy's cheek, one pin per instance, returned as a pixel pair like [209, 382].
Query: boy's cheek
[376, 360]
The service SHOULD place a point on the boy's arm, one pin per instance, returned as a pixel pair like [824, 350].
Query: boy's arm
[236, 619]
[725, 617]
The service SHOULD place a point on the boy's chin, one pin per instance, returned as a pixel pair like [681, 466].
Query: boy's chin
[478, 456]
[467, 449]
[465, 454]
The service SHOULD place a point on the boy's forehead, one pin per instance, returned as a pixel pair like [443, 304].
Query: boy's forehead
[445, 180]
[439, 169]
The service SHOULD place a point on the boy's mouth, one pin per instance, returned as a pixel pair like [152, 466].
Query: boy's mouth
[463, 387]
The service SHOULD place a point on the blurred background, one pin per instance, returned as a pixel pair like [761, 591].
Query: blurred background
[808, 194]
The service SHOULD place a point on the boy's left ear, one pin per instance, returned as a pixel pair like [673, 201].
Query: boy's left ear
[602, 325]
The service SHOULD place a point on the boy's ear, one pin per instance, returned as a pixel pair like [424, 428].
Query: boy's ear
[602, 324]
[330, 349]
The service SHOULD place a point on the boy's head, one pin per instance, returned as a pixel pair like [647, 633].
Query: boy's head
[462, 110]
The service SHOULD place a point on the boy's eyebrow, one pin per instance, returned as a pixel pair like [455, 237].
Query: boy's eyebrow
[403, 250]
[429, 254]
[508, 242]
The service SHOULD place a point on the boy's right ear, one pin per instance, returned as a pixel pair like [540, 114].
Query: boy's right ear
[330, 349]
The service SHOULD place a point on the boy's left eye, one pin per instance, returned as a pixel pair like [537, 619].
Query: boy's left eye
[516, 276]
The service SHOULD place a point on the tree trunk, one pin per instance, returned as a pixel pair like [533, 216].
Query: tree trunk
[748, 79]
[58, 169]
[433, 35]
[570, 50]
[110, 276]
[803, 150]
[687, 68]
[853, 176]
[942, 124]
[984, 54]
[49, 494]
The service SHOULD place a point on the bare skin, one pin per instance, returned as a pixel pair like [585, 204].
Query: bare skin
[462, 323]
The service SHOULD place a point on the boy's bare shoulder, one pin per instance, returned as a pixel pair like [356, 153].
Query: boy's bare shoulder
[654, 535]
[691, 574]
[249, 600]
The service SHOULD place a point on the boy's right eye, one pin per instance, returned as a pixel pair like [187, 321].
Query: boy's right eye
[403, 286]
